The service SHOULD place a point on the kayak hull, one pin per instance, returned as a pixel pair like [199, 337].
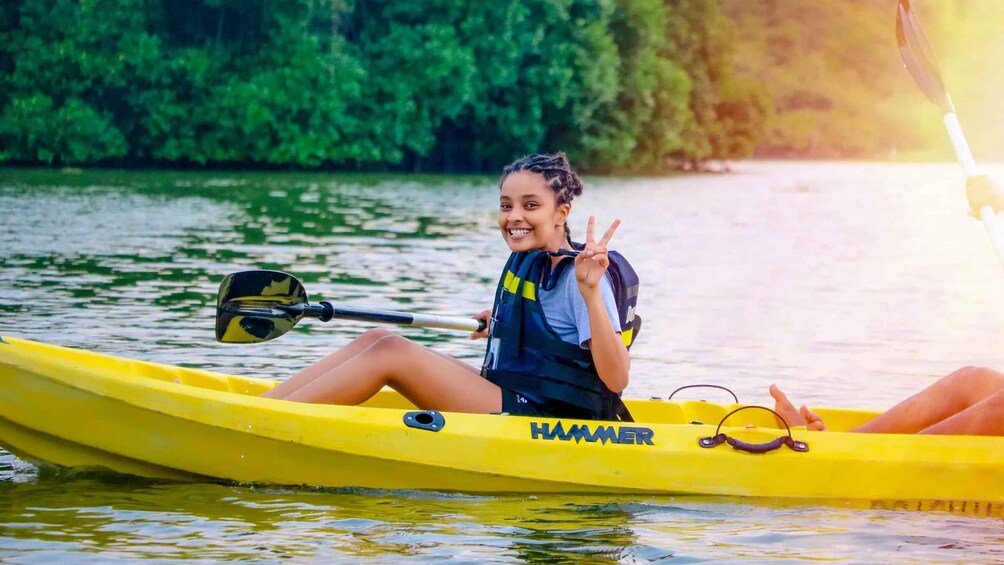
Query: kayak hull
[81, 409]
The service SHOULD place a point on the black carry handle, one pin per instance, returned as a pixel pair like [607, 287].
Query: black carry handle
[757, 448]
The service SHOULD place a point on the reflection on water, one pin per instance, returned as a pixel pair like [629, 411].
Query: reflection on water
[851, 284]
[90, 254]
[66, 517]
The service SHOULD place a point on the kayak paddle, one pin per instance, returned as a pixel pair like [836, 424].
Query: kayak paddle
[919, 60]
[256, 306]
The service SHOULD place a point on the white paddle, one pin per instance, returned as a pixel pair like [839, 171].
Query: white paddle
[920, 61]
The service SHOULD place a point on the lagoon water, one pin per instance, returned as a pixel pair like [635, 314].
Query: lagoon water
[850, 284]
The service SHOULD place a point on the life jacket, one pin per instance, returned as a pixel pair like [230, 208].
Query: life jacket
[527, 356]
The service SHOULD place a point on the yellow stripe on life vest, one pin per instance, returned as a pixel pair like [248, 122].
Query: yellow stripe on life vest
[626, 337]
[530, 291]
[511, 283]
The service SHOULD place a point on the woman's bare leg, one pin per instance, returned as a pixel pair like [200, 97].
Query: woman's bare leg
[311, 372]
[314, 370]
[969, 401]
[985, 418]
[429, 380]
[951, 395]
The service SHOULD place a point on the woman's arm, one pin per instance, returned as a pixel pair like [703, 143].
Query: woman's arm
[609, 353]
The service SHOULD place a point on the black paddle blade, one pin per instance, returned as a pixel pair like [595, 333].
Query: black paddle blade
[253, 306]
[919, 58]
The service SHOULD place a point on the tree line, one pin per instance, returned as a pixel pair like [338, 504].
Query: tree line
[432, 85]
[837, 83]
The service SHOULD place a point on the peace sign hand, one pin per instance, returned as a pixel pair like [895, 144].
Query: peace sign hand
[592, 261]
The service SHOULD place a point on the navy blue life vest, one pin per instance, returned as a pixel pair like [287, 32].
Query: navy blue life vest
[527, 356]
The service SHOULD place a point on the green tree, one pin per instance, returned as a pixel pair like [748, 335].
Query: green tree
[831, 68]
[64, 65]
[726, 114]
[431, 85]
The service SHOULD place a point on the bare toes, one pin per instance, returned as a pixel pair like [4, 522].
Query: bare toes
[812, 420]
[785, 408]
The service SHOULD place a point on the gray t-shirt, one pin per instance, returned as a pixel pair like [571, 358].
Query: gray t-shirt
[566, 311]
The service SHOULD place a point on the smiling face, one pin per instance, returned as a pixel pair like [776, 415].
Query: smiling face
[529, 216]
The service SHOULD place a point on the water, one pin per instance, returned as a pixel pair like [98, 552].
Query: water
[849, 284]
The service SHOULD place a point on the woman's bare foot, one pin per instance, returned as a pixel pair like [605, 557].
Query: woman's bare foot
[812, 420]
[793, 416]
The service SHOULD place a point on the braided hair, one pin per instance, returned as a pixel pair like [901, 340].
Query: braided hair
[557, 173]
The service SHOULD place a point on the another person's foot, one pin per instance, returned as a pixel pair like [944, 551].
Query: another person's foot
[793, 416]
[812, 420]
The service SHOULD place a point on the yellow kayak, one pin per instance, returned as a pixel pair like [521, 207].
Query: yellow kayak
[81, 409]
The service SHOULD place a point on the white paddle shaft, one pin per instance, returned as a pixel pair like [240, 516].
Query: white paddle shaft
[959, 143]
[969, 166]
[445, 322]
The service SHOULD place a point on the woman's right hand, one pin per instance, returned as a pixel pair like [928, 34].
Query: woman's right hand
[486, 317]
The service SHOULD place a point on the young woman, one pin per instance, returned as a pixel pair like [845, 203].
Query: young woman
[555, 345]
[969, 401]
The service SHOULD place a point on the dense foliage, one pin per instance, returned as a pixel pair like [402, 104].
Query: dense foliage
[837, 84]
[433, 85]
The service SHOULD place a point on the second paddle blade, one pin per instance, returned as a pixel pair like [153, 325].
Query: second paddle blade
[253, 306]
